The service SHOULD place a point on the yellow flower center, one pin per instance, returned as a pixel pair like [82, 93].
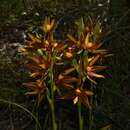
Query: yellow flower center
[78, 91]
[68, 55]
[89, 45]
[89, 69]
[55, 45]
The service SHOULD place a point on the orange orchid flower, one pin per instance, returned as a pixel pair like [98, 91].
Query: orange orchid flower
[91, 69]
[33, 44]
[48, 24]
[39, 66]
[71, 84]
[37, 88]
[93, 47]
[76, 94]
[85, 43]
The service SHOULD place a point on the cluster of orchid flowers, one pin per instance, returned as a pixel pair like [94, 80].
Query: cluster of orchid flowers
[68, 64]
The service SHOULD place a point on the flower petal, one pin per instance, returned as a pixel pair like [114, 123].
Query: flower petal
[87, 93]
[75, 100]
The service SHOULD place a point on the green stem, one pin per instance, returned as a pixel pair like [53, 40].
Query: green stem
[80, 116]
[52, 105]
[46, 121]
[36, 112]
[36, 127]
[90, 112]
[53, 116]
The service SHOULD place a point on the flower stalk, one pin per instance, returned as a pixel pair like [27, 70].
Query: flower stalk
[91, 111]
[80, 116]
[52, 104]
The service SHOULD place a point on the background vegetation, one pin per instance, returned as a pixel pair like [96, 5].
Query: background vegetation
[20, 16]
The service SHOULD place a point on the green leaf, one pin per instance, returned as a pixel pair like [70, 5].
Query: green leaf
[75, 64]
[80, 24]
[85, 58]
[97, 29]
[54, 88]
[40, 52]
[48, 96]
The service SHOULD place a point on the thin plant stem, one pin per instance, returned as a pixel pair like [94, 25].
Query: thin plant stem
[46, 120]
[90, 119]
[22, 108]
[37, 116]
[80, 116]
[91, 112]
[35, 111]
